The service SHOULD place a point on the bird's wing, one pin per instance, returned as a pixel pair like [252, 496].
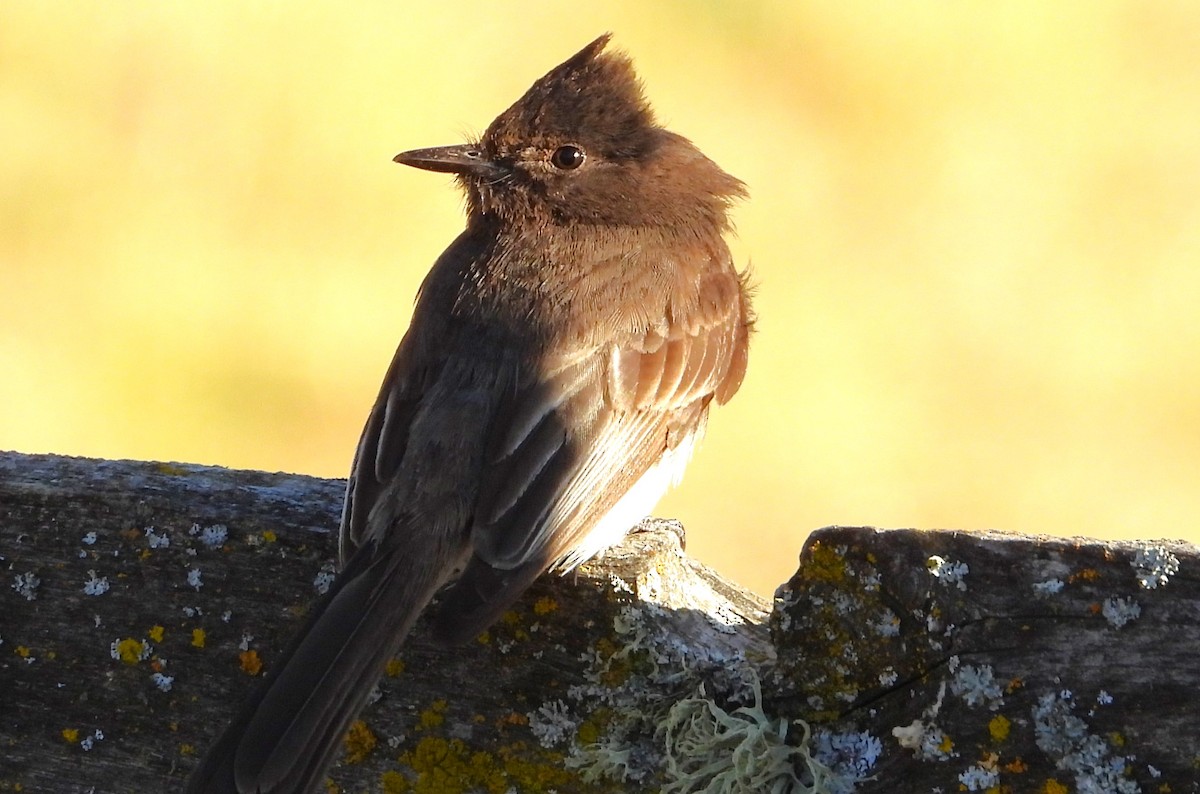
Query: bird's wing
[597, 424]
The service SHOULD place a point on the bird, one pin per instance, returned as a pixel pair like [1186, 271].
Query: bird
[559, 367]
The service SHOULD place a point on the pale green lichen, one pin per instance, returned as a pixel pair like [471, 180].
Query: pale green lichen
[658, 712]
[709, 749]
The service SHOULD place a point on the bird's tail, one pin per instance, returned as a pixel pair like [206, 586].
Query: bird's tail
[287, 732]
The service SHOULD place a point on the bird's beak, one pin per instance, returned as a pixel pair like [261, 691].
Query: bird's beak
[462, 159]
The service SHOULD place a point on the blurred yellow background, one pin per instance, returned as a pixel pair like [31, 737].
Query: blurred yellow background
[975, 229]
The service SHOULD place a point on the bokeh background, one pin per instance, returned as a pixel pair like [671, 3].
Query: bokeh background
[975, 229]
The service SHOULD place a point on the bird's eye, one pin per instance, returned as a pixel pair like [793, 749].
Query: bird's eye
[567, 158]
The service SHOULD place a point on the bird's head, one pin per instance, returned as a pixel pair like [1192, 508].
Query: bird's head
[582, 146]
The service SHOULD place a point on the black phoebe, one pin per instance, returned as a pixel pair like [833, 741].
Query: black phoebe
[559, 367]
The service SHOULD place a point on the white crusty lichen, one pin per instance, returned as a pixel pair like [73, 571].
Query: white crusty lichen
[155, 540]
[1049, 587]
[927, 741]
[213, 536]
[949, 572]
[1064, 737]
[977, 686]
[26, 585]
[95, 585]
[325, 578]
[551, 724]
[89, 741]
[849, 757]
[979, 778]
[1119, 611]
[1155, 565]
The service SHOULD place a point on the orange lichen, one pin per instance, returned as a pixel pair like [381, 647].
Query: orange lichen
[1016, 766]
[250, 662]
[513, 718]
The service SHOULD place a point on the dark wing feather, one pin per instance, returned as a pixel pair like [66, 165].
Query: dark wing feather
[570, 444]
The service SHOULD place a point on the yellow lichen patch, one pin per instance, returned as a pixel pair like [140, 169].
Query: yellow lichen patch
[331, 787]
[269, 536]
[998, 727]
[170, 468]
[1052, 786]
[156, 633]
[71, 735]
[544, 606]
[359, 741]
[394, 668]
[1116, 739]
[1086, 575]
[824, 564]
[443, 766]
[1164, 788]
[198, 638]
[510, 618]
[187, 750]
[591, 731]
[392, 782]
[129, 650]
[946, 745]
[529, 769]
[250, 662]
[433, 716]
[22, 651]
[484, 638]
